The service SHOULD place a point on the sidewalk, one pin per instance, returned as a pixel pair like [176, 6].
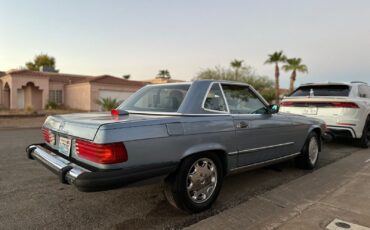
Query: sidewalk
[335, 193]
[25, 122]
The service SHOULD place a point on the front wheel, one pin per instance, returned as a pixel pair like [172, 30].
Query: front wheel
[310, 152]
[197, 183]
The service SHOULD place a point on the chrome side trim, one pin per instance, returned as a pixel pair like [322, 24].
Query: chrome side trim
[223, 94]
[232, 153]
[262, 148]
[154, 113]
[259, 164]
[177, 114]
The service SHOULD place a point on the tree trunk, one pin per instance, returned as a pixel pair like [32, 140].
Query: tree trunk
[292, 80]
[277, 85]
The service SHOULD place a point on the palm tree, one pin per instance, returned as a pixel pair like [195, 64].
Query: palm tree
[295, 65]
[276, 58]
[108, 103]
[236, 65]
[164, 74]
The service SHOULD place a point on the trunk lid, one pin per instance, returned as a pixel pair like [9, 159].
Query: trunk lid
[86, 125]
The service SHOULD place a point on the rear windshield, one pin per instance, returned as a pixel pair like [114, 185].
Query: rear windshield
[157, 98]
[322, 90]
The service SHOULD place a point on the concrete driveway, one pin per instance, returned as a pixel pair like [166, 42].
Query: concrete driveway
[32, 197]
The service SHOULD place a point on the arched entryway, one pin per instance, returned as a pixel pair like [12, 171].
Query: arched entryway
[6, 96]
[30, 97]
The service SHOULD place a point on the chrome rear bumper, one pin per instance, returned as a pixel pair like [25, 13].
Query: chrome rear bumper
[67, 171]
[89, 181]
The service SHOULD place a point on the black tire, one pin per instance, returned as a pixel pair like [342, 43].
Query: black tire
[304, 160]
[176, 190]
[364, 141]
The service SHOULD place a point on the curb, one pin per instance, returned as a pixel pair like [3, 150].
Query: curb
[285, 202]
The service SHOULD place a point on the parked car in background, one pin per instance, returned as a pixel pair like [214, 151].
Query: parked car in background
[345, 107]
[192, 133]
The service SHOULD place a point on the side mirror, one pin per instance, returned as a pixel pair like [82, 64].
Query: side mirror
[274, 108]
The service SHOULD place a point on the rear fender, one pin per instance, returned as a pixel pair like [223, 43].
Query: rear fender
[216, 148]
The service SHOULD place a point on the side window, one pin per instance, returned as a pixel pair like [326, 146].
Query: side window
[215, 100]
[242, 100]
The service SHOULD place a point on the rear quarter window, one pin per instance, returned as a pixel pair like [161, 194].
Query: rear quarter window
[322, 90]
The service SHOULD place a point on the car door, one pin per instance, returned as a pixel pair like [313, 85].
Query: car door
[260, 135]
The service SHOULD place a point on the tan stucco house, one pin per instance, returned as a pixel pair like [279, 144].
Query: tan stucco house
[21, 89]
[162, 81]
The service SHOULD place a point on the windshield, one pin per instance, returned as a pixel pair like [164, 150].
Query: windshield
[322, 90]
[157, 98]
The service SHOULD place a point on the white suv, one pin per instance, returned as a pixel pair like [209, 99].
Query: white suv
[345, 107]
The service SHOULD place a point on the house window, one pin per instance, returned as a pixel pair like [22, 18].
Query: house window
[56, 96]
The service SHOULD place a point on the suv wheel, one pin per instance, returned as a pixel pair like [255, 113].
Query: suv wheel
[197, 183]
[310, 152]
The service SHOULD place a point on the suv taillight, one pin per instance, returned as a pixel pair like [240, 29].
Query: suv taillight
[319, 104]
[286, 103]
[101, 153]
[345, 105]
[49, 136]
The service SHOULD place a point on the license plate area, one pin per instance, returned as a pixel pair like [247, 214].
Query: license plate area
[64, 146]
[312, 110]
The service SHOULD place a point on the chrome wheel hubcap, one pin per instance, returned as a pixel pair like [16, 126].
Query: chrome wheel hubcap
[201, 180]
[313, 150]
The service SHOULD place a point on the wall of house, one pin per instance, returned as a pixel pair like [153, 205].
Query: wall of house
[32, 97]
[39, 92]
[6, 81]
[77, 96]
[53, 85]
[96, 87]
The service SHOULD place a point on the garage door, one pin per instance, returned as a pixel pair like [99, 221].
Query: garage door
[119, 95]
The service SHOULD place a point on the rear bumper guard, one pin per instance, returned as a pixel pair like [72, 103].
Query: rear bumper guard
[90, 181]
[66, 170]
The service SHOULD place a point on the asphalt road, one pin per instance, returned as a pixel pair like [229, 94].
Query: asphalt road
[32, 197]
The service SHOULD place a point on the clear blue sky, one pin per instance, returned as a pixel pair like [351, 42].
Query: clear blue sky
[141, 37]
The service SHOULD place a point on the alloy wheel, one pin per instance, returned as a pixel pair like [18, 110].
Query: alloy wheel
[313, 150]
[201, 180]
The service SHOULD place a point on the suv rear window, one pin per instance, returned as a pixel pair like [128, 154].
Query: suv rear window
[322, 90]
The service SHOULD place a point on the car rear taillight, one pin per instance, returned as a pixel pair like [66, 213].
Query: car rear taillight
[101, 153]
[48, 135]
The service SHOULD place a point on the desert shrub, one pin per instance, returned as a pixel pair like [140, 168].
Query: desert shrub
[108, 103]
[51, 105]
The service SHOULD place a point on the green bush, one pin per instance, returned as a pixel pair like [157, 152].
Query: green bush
[51, 105]
[29, 109]
[268, 94]
[108, 104]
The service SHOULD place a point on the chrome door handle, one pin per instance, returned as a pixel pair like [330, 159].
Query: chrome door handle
[242, 125]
